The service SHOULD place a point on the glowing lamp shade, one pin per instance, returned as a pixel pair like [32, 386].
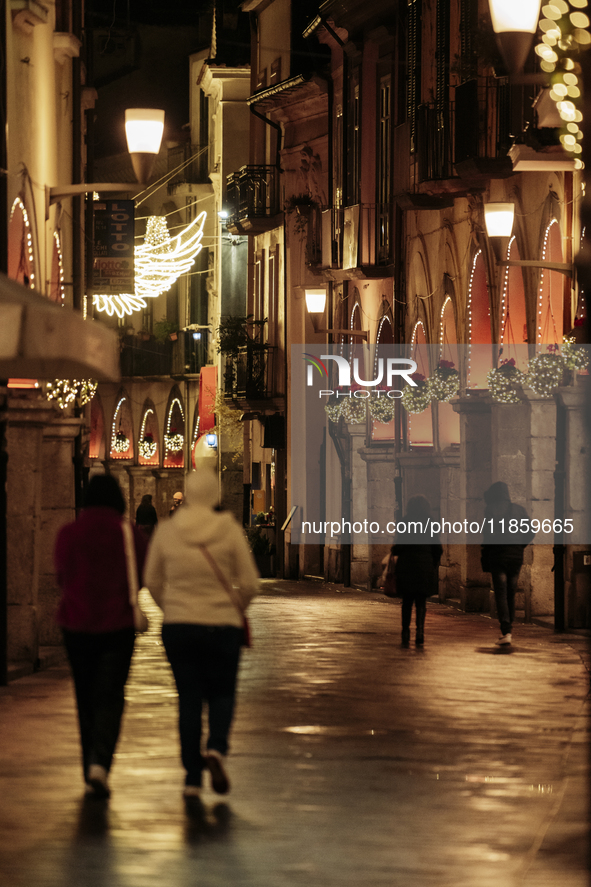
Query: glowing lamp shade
[315, 301]
[514, 22]
[515, 15]
[211, 439]
[498, 218]
[144, 128]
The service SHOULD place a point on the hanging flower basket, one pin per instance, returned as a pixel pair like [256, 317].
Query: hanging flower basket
[382, 408]
[174, 442]
[505, 382]
[445, 381]
[545, 372]
[575, 357]
[148, 447]
[417, 399]
[120, 442]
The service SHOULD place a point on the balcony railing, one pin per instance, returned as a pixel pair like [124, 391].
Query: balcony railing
[183, 356]
[482, 119]
[253, 193]
[356, 235]
[249, 374]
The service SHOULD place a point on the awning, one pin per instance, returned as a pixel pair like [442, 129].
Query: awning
[41, 340]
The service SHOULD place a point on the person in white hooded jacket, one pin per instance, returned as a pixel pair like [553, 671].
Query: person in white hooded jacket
[201, 573]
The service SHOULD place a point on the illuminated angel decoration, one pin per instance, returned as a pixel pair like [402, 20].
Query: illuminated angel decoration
[159, 261]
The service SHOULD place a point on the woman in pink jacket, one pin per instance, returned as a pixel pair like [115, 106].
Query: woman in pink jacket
[97, 621]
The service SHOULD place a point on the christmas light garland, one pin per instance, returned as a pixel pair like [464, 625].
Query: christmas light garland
[575, 357]
[120, 442]
[382, 408]
[545, 372]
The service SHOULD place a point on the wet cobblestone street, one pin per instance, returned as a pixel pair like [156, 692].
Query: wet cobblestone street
[354, 761]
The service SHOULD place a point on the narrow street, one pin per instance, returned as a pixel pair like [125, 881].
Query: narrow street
[354, 761]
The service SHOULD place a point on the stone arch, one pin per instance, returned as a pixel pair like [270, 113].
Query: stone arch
[174, 431]
[148, 436]
[550, 296]
[56, 282]
[419, 291]
[513, 310]
[21, 252]
[121, 444]
[420, 425]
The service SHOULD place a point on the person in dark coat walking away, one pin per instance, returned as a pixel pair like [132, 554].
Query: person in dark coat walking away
[201, 573]
[145, 515]
[97, 621]
[417, 556]
[502, 551]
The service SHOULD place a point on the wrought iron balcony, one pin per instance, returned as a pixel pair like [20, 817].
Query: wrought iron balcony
[183, 356]
[248, 375]
[253, 198]
[355, 236]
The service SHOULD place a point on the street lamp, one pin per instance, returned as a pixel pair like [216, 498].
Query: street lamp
[144, 128]
[316, 304]
[514, 22]
[498, 220]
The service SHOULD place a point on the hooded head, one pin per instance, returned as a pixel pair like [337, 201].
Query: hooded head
[201, 488]
[418, 508]
[497, 493]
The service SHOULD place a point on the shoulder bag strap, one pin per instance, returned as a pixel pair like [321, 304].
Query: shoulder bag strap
[221, 578]
[130, 558]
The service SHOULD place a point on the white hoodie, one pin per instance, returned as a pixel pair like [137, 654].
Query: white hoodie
[177, 572]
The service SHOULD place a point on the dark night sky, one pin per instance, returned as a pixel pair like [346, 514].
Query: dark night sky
[147, 12]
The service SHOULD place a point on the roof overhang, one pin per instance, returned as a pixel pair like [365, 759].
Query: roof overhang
[40, 340]
[277, 94]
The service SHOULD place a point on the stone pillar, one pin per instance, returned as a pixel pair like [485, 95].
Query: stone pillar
[360, 567]
[381, 503]
[27, 416]
[57, 509]
[537, 578]
[475, 477]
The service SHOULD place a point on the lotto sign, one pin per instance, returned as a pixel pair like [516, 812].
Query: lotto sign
[113, 245]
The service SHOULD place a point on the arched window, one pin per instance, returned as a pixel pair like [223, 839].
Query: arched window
[122, 430]
[420, 425]
[448, 420]
[549, 325]
[174, 433]
[21, 262]
[97, 447]
[479, 325]
[513, 312]
[148, 445]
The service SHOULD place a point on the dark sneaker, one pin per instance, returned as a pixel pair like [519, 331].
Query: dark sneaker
[219, 778]
[504, 639]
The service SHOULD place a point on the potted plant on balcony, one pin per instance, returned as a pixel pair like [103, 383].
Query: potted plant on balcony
[302, 205]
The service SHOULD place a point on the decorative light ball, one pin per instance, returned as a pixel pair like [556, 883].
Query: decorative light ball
[120, 442]
[445, 382]
[333, 410]
[504, 382]
[147, 447]
[353, 411]
[417, 399]
[544, 373]
[382, 408]
[575, 356]
[174, 442]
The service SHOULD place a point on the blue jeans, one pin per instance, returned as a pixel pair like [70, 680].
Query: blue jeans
[204, 661]
[100, 665]
[504, 579]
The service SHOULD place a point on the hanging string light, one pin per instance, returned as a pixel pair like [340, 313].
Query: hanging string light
[504, 382]
[416, 399]
[173, 440]
[119, 440]
[28, 245]
[60, 268]
[159, 262]
[545, 372]
[445, 382]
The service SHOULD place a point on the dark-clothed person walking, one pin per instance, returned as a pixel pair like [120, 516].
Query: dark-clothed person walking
[417, 556]
[502, 551]
[97, 621]
[146, 517]
[202, 575]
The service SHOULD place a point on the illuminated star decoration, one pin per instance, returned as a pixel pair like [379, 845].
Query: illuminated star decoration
[159, 261]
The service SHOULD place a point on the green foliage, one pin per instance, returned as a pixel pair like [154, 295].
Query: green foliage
[164, 328]
[259, 542]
